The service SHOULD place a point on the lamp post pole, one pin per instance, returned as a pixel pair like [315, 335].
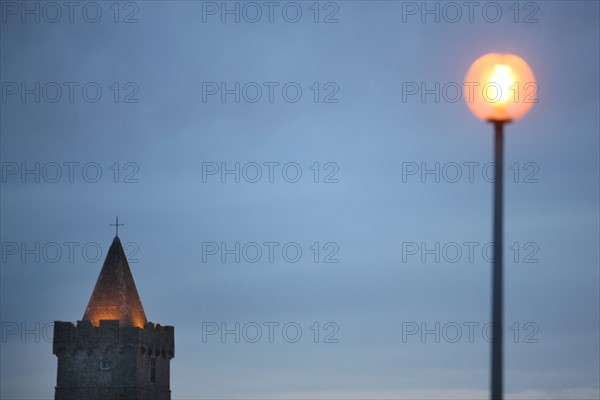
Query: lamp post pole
[504, 72]
[497, 273]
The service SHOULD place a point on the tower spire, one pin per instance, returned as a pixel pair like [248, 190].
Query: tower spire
[115, 296]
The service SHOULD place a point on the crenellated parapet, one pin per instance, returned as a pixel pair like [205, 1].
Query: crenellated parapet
[153, 340]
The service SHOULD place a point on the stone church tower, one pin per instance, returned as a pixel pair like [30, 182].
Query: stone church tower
[113, 353]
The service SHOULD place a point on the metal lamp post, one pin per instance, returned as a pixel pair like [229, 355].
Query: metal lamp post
[500, 88]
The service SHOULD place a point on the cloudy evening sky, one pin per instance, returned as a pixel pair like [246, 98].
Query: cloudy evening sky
[137, 115]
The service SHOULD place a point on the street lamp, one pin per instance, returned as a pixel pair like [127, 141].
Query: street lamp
[500, 88]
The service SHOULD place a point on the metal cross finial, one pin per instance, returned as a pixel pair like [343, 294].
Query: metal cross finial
[117, 224]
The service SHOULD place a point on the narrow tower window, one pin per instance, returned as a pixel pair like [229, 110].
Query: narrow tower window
[152, 370]
[104, 365]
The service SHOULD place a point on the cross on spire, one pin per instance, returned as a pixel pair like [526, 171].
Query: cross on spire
[116, 225]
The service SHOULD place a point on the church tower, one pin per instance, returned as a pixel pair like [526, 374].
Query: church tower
[113, 353]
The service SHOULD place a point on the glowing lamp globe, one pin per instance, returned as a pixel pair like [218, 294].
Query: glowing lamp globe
[500, 88]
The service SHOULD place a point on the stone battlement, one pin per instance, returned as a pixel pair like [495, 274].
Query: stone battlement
[153, 340]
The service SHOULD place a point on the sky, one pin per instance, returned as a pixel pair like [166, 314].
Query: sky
[273, 173]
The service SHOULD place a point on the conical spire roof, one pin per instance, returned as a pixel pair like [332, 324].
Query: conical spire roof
[115, 295]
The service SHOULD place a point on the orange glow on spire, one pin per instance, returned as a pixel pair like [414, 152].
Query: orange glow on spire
[115, 296]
